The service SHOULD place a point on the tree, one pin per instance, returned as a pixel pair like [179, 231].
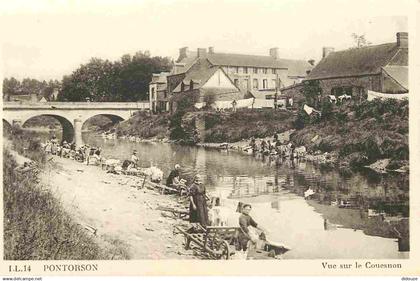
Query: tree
[11, 87]
[312, 92]
[124, 80]
[209, 99]
[360, 40]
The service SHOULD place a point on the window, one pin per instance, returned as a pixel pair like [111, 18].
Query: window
[255, 84]
[265, 70]
[246, 70]
[245, 84]
[236, 82]
[255, 70]
[265, 84]
[240, 69]
[273, 70]
[236, 69]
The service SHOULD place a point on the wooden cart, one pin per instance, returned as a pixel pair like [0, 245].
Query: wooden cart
[215, 240]
[176, 212]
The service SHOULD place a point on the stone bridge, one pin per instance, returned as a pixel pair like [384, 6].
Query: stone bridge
[71, 115]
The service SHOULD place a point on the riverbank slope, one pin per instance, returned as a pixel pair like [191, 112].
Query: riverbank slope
[353, 134]
[116, 209]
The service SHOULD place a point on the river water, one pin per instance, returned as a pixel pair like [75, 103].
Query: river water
[315, 228]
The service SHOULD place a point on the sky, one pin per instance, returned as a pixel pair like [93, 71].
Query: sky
[47, 39]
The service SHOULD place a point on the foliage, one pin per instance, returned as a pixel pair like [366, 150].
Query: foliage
[360, 133]
[184, 103]
[311, 91]
[246, 123]
[378, 108]
[124, 80]
[360, 40]
[144, 125]
[14, 87]
[36, 227]
[209, 99]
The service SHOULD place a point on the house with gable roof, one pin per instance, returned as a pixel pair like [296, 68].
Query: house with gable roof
[381, 68]
[204, 79]
[254, 76]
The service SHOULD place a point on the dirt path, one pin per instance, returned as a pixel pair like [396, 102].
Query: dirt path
[123, 214]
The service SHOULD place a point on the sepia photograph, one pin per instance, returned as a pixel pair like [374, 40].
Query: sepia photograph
[205, 130]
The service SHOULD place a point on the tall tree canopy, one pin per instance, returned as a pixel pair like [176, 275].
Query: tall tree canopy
[124, 80]
[28, 86]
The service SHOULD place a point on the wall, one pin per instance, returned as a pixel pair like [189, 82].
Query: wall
[390, 86]
[250, 76]
[371, 82]
[219, 79]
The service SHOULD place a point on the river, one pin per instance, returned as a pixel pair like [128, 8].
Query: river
[315, 228]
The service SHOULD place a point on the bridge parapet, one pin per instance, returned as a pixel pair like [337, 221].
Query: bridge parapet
[77, 105]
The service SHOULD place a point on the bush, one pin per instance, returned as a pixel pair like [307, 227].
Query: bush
[35, 225]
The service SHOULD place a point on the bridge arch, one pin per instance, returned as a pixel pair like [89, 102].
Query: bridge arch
[66, 125]
[7, 127]
[114, 118]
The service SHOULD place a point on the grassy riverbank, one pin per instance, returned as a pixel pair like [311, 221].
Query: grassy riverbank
[144, 125]
[360, 133]
[36, 227]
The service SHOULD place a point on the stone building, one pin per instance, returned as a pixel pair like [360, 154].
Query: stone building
[158, 94]
[257, 76]
[203, 80]
[380, 68]
[252, 76]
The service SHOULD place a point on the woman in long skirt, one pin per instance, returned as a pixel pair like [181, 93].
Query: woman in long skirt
[198, 204]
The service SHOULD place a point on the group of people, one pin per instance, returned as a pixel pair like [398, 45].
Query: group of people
[274, 147]
[198, 208]
[85, 153]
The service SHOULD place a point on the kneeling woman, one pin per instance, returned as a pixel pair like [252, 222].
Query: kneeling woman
[198, 204]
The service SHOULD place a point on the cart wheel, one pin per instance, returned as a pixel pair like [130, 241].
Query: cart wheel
[225, 250]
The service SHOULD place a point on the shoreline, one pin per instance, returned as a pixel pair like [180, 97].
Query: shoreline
[101, 202]
[327, 159]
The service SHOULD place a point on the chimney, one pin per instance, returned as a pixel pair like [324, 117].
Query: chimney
[183, 53]
[211, 50]
[402, 39]
[274, 53]
[311, 62]
[326, 51]
[201, 52]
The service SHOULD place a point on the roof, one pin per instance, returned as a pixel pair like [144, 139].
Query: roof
[296, 67]
[359, 61]
[187, 62]
[399, 74]
[200, 73]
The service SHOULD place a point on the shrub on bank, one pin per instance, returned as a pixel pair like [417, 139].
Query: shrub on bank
[361, 133]
[28, 144]
[246, 123]
[145, 125]
[35, 225]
